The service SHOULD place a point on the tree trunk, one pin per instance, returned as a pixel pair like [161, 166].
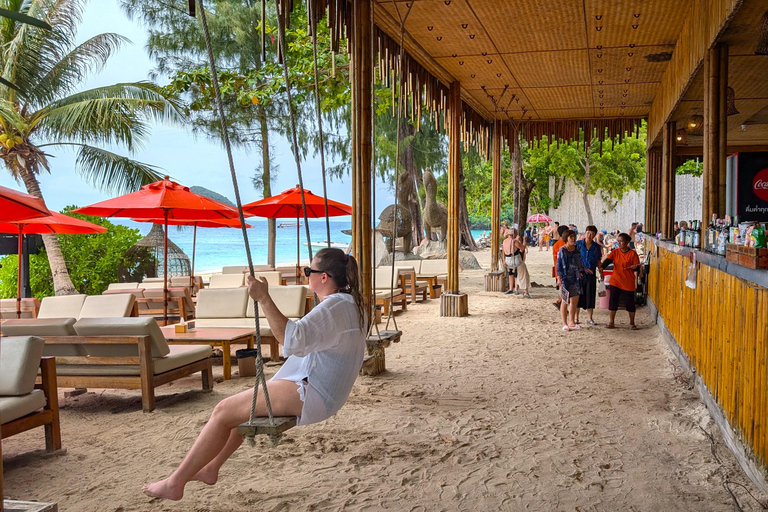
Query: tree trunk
[408, 161]
[62, 284]
[522, 187]
[266, 181]
[465, 234]
[585, 192]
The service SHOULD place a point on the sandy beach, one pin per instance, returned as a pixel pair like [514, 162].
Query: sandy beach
[497, 411]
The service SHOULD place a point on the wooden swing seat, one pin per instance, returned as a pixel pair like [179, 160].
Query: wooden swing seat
[262, 426]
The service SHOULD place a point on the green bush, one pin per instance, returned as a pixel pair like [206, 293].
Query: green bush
[92, 260]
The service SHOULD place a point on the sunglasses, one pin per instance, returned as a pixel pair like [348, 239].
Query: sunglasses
[308, 271]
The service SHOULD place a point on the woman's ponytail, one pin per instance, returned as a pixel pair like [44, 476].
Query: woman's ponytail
[346, 275]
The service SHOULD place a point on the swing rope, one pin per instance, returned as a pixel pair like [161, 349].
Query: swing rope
[400, 92]
[260, 378]
[313, 30]
[282, 50]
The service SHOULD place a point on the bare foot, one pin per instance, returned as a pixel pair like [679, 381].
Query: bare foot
[164, 490]
[207, 477]
[610, 326]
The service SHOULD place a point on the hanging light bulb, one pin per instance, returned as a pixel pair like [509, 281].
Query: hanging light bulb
[695, 125]
[682, 137]
[730, 102]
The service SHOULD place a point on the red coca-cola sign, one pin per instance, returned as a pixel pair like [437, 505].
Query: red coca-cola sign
[760, 184]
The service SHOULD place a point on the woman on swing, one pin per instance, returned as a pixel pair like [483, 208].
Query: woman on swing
[325, 352]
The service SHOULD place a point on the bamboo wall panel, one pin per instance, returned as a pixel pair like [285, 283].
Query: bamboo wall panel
[700, 29]
[721, 327]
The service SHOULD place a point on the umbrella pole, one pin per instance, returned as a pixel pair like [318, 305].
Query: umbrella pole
[298, 249]
[18, 277]
[194, 244]
[165, 271]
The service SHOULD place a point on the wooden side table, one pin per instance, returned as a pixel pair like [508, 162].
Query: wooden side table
[222, 337]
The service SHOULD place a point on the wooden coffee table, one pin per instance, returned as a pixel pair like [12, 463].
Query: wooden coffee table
[215, 337]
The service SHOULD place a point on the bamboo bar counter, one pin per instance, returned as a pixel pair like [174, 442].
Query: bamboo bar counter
[719, 330]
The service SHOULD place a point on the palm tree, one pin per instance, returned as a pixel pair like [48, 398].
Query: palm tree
[45, 109]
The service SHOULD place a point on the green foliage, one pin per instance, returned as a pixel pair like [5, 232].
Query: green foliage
[692, 167]
[92, 260]
[48, 109]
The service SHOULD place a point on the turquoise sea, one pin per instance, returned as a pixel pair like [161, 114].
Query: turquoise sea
[224, 246]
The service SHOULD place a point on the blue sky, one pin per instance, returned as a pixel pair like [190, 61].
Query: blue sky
[187, 159]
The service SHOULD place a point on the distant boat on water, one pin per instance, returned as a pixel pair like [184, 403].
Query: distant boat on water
[288, 225]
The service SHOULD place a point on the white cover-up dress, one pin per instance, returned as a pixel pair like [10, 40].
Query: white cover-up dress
[325, 351]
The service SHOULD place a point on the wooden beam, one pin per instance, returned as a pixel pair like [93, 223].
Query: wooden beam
[362, 143]
[496, 195]
[668, 161]
[454, 161]
[652, 191]
[699, 151]
[722, 142]
[715, 141]
[706, 21]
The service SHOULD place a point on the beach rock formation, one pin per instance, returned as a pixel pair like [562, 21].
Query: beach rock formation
[395, 220]
[433, 250]
[435, 214]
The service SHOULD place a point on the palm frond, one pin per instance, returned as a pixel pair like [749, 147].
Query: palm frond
[31, 52]
[74, 67]
[110, 172]
[23, 18]
[10, 118]
[115, 114]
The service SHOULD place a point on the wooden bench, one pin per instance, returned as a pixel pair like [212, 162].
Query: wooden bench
[118, 353]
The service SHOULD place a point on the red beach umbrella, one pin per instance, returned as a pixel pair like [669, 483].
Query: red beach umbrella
[220, 223]
[539, 217]
[167, 200]
[288, 205]
[15, 205]
[55, 224]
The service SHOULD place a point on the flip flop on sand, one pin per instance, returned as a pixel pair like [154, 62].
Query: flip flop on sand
[634, 327]
[574, 327]
[591, 322]
[566, 328]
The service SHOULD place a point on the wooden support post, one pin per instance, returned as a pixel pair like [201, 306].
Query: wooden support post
[362, 132]
[668, 161]
[496, 195]
[722, 139]
[653, 191]
[712, 120]
[453, 303]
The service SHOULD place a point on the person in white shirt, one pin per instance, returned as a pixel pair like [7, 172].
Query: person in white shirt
[325, 351]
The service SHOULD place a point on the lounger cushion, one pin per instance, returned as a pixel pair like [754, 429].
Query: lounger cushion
[107, 306]
[39, 327]
[152, 285]
[180, 355]
[46, 327]
[142, 326]
[384, 278]
[64, 306]
[274, 278]
[221, 303]
[19, 361]
[15, 407]
[136, 292]
[173, 293]
[290, 300]
[234, 269]
[226, 280]
[385, 294]
[122, 286]
[434, 267]
[415, 264]
[153, 280]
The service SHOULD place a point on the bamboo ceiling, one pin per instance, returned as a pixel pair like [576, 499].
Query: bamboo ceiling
[553, 65]
[747, 74]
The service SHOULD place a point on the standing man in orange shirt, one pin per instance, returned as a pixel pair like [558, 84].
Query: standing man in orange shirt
[622, 284]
